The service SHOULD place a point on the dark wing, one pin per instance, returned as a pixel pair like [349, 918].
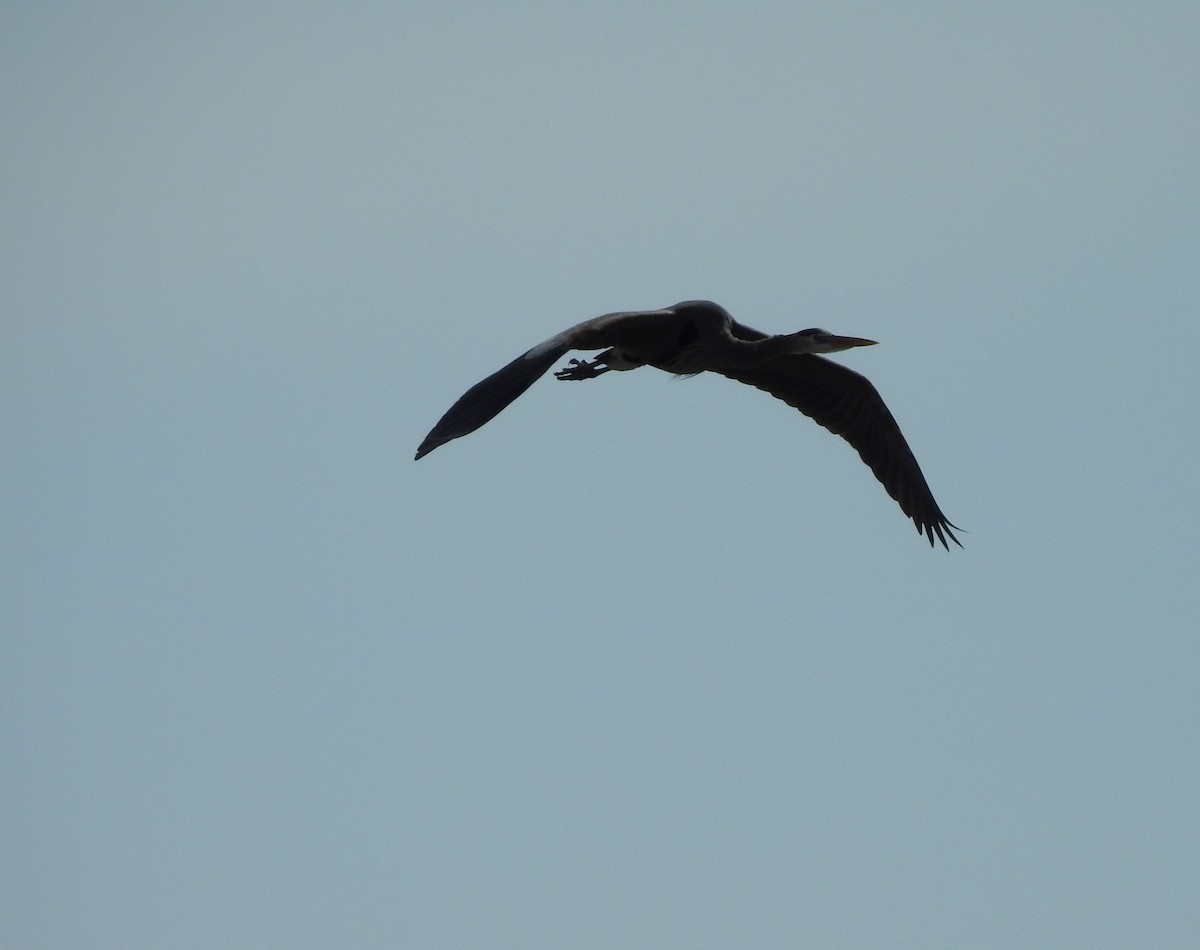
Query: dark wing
[848, 405]
[486, 399]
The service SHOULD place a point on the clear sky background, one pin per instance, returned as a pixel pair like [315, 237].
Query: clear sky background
[644, 662]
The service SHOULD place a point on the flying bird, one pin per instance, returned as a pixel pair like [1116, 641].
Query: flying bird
[699, 336]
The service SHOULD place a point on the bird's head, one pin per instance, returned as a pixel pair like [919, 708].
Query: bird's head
[817, 340]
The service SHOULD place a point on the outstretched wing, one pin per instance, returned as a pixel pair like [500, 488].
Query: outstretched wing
[848, 405]
[486, 399]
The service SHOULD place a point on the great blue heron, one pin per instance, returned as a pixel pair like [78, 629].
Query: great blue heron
[697, 336]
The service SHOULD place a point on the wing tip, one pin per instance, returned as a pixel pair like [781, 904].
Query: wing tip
[428, 446]
[939, 530]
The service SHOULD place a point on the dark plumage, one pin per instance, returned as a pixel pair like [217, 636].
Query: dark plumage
[699, 336]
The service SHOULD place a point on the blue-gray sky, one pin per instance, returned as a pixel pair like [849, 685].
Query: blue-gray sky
[643, 662]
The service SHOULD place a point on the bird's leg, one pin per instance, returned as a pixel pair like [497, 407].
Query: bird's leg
[583, 369]
[612, 358]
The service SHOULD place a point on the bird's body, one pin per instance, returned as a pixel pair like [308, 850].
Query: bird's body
[699, 336]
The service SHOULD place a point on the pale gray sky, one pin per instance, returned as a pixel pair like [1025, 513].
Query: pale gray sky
[644, 662]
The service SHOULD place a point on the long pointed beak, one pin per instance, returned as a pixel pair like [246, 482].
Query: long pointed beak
[846, 342]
